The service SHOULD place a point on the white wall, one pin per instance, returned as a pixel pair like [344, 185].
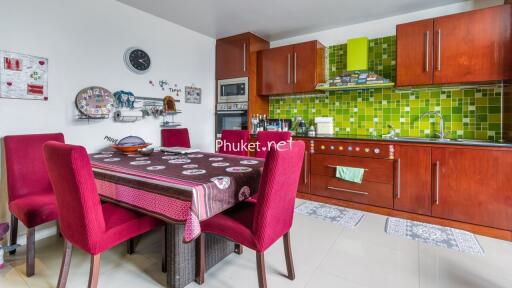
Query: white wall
[84, 41]
[383, 27]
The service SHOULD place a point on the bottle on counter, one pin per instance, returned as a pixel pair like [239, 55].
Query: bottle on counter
[312, 129]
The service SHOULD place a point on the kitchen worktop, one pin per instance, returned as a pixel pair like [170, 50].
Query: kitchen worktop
[465, 142]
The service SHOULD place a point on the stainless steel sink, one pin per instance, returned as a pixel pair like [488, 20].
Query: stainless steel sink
[417, 139]
[452, 141]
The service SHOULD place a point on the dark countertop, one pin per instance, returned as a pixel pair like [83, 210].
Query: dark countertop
[463, 142]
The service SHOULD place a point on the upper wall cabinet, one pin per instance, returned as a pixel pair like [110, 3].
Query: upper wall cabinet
[459, 48]
[291, 69]
[232, 56]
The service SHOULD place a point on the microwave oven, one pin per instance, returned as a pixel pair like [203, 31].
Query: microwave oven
[233, 90]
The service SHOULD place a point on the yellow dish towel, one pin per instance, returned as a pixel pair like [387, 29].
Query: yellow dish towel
[350, 174]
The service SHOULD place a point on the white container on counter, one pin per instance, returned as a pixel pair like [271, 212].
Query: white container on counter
[324, 125]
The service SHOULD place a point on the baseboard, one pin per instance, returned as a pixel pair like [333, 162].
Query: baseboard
[40, 234]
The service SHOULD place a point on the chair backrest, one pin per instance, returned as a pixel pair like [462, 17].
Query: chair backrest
[276, 195]
[234, 142]
[175, 137]
[80, 214]
[24, 161]
[267, 139]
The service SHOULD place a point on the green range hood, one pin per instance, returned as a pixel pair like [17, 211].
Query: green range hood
[357, 54]
[357, 75]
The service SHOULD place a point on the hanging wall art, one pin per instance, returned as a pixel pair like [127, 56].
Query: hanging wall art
[23, 76]
[192, 95]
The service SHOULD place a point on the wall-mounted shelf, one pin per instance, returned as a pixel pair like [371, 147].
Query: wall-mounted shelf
[322, 87]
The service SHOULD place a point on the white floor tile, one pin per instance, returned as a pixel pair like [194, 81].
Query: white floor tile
[325, 255]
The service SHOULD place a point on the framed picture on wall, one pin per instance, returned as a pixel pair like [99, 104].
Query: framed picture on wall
[23, 76]
[192, 95]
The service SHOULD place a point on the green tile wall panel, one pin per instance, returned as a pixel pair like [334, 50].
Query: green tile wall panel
[470, 112]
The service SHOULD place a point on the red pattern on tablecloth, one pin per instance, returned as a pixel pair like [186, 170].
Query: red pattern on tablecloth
[166, 207]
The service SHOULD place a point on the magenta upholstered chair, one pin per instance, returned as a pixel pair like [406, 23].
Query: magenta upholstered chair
[175, 137]
[266, 139]
[31, 198]
[235, 140]
[260, 224]
[84, 221]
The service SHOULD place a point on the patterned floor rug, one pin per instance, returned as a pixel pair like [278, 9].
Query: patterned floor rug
[450, 238]
[337, 215]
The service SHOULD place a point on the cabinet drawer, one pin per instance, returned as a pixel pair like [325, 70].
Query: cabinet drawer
[372, 193]
[377, 170]
[368, 150]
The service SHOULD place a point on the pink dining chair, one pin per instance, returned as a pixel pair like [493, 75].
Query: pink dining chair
[175, 137]
[234, 142]
[85, 222]
[258, 225]
[30, 193]
[267, 139]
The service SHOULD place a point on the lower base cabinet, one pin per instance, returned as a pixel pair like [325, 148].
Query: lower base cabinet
[472, 185]
[459, 183]
[413, 179]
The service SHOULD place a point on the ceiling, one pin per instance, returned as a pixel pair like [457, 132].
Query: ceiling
[276, 19]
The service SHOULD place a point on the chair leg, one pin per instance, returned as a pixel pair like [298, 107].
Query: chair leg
[14, 233]
[288, 255]
[58, 229]
[164, 249]
[200, 259]
[66, 261]
[239, 249]
[95, 271]
[262, 275]
[130, 246]
[31, 251]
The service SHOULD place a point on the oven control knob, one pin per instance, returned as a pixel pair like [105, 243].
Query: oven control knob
[376, 150]
[350, 148]
[332, 147]
[340, 148]
[366, 150]
[322, 147]
[357, 148]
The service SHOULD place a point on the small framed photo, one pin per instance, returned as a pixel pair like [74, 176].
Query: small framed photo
[192, 95]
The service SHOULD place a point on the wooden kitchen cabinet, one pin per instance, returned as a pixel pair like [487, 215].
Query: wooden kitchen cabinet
[466, 47]
[309, 66]
[304, 173]
[232, 57]
[413, 179]
[275, 66]
[414, 55]
[291, 69]
[473, 46]
[472, 185]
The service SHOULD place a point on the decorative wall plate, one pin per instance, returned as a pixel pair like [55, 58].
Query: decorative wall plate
[95, 102]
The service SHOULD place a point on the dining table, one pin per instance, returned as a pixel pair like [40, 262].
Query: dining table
[182, 190]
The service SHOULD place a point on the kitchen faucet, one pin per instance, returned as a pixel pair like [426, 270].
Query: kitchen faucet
[441, 133]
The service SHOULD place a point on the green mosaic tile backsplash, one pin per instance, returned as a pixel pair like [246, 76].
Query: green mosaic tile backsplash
[470, 112]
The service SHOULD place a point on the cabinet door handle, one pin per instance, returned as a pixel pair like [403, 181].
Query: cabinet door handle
[398, 188]
[294, 67]
[245, 57]
[427, 40]
[305, 167]
[439, 50]
[348, 190]
[289, 63]
[438, 168]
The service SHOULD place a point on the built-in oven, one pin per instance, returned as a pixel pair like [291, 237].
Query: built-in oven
[234, 90]
[231, 116]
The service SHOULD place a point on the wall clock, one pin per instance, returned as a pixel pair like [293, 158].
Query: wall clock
[137, 60]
